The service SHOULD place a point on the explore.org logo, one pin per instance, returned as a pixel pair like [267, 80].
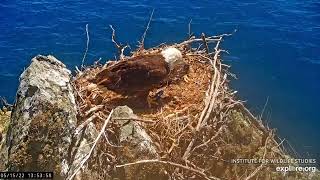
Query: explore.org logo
[295, 168]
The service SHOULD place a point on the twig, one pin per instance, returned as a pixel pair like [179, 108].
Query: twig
[264, 107]
[84, 124]
[193, 40]
[5, 103]
[282, 148]
[113, 36]
[190, 34]
[108, 142]
[201, 174]
[292, 149]
[210, 39]
[92, 148]
[106, 137]
[224, 35]
[88, 39]
[203, 37]
[141, 43]
[78, 71]
[120, 47]
[211, 139]
[213, 93]
[94, 109]
[135, 119]
[278, 145]
[209, 59]
[264, 156]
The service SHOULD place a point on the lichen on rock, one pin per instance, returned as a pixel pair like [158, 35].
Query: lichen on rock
[137, 145]
[43, 119]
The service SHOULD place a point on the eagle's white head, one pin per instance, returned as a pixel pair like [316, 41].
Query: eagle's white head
[172, 56]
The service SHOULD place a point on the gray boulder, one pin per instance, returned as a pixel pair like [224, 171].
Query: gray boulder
[134, 145]
[137, 145]
[43, 119]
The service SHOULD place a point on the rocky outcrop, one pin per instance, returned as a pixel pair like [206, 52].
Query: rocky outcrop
[134, 145]
[133, 136]
[42, 130]
[4, 122]
[80, 150]
[43, 119]
[137, 145]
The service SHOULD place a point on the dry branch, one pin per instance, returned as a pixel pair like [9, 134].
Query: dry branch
[199, 173]
[193, 40]
[190, 34]
[119, 47]
[263, 157]
[94, 109]
[203, 37]
[135, 119]
[87, 47]
[141, 43]
[211, 139]
[84, 124]
[4, 103]
[213, 92]
[92, 148]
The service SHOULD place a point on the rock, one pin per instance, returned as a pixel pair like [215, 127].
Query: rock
[43, 119]
[133, 134]
[134, 144]
[41, 133]
[137, 145]
[4, 122]
[81, 150]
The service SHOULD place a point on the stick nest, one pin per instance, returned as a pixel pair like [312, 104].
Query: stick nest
[197, 126]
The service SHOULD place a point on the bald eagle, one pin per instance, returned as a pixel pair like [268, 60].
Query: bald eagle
[137, 76]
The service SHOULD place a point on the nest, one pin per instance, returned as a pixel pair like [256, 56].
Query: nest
[195, 125]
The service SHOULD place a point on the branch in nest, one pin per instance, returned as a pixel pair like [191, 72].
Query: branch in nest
[190, 34]
[78, 71]
[94, 109]
[264, 156]
[208, 40]
[252, 118]
[199, 173]
[5, 103]
[211, 139]
[264, 107]
[141, 43]
[135, 119]
[203, 37]
[92, 148]
[213, 93]
[87, 47]
[193, 40]
[120, 46]
[85, 123]
[224, 35]
[105, 135]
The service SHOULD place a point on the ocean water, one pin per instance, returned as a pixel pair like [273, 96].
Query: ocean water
[275, 52]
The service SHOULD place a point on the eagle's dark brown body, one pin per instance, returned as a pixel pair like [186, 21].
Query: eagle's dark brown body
[134, 76]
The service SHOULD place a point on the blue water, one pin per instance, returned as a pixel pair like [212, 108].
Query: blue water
[275, 52]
